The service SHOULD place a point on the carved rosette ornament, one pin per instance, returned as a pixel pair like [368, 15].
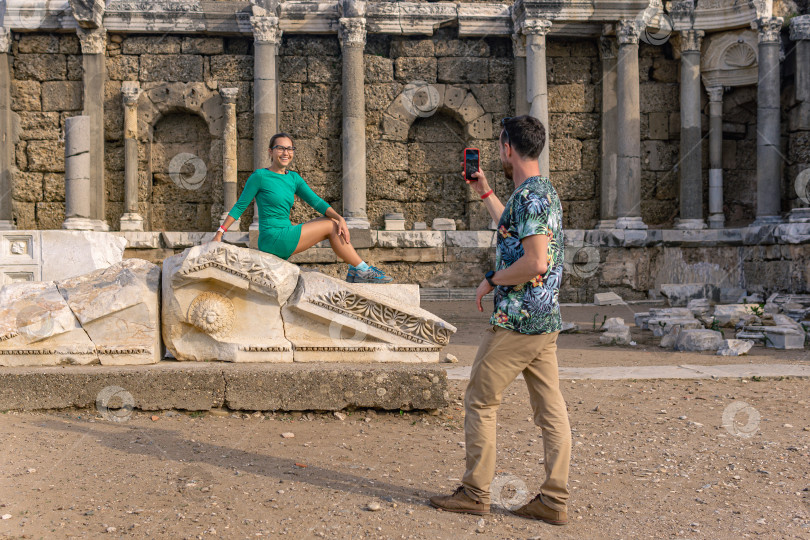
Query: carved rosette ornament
[352, 31]
[800, 28]
[93, 41]
[5, 40]
[715, 93]
[130, 92]
[535, 27]
[607, 48]
[691, 40]
[228, 95]
[628, 32]
[768, 29]
[266, 30]
[212, 313]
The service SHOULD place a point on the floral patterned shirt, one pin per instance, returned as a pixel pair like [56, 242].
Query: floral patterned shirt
[532, 307]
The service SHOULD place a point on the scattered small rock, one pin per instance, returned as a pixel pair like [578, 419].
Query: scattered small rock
[111, 529]
[288, 434]
[450, 359]
[6, 516]
[373, 507]
[339, 415]
[155, 418]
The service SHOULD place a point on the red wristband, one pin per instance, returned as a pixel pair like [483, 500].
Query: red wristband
[487, 194]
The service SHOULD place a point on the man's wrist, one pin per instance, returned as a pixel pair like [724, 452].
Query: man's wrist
[488, 276]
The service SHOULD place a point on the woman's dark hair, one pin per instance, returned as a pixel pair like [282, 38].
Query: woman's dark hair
[526, 134]
[278, 136]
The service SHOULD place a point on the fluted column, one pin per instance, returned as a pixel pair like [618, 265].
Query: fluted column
[628, 160]
[691, 189]
[266, 40]
[131, 220]
[229, 150]
[768, 110]
[6, 135]
[535, 31]
[716, 218]
[352, 34]
[94, 43]
[607, 180]
[519, 50]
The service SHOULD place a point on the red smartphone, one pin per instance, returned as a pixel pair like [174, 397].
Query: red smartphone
[471, 164]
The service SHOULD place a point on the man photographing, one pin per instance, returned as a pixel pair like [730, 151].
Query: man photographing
[525, 326]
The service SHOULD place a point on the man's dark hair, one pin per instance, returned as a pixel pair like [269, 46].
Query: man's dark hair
[278, 136]
[525, 134]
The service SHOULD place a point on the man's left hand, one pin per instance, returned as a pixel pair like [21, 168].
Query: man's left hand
[483, 289]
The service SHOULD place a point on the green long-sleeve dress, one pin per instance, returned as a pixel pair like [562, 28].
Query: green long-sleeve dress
[274, 197]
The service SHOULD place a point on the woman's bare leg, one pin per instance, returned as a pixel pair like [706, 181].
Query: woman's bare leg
[320, 229]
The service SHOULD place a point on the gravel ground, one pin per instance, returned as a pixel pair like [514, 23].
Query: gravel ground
[718, 459]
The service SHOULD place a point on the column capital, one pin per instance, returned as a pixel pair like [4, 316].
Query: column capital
[715, 94]
[768, 29]
[228, 95]
[352, 31]
[266, 29]
[800, 28]
[628, 31]
[607, 48]
[691, 40]
[5, 40]
[519, 45]
[535, 27]
[130, 92]
[93, 40]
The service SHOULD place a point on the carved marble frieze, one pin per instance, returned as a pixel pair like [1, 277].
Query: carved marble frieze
[729, 59]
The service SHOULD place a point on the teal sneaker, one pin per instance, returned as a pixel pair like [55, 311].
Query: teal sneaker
[351, 274]
[372, 275]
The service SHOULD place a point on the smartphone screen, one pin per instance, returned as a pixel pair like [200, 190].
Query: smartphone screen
[470, 163]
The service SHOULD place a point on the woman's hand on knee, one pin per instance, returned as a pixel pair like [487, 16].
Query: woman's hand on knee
[342, 230]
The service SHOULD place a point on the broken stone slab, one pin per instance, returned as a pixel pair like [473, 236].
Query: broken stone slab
[698, 306]
[780, 337]
[729, 315]
[731, 295]
[754, 298]
[569, 328]
[443, 224]
[223, 302]
[617, 335]
[607, 299]
[670, 313]
[118, 308]
[669, 339]
[67, 254]
[735, 347]
[327, 319]
[641, 319]
[679, 294]
[661, 327]
[108, 316]
[698, 340]
[783, 320]
[613, 323]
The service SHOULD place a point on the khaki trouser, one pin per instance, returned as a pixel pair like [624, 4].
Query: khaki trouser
[502, 356]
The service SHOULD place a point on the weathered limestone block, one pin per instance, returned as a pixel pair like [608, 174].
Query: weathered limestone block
[729, 315]
[607, 299]
[327, 319]
[735, 347]
[110, 315]
[118, 309]
[782, 337]
[616, 336]
[613, 323]
[71, 253]
[698, 340]
[222, 302]
[662, 326]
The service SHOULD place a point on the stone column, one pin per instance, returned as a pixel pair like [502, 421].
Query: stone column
[716, 218]
[691, 174]
[266, 41]
[94, 43]
[628, 159]
[769, 177]
[6, 134]
[800, 35]
[519, 50]
[229, 150]
[535, 31]
[78, 174]
[352, 34]
[607, 180]
[131, 220]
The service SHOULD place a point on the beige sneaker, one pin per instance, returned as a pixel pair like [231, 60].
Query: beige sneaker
[535, 509]
[459, 502]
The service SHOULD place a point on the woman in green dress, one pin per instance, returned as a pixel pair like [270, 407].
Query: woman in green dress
[273, 188]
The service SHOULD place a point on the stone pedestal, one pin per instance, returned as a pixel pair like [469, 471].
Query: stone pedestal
[352, 34]
[229, 151]
[628, 164]
[716, 217]
[691, 190]
[131, 220]
[266, 40]
[609, 141]
[769, 158]
[93, 44]
[6, 134]
[535, 31]
[78, 194]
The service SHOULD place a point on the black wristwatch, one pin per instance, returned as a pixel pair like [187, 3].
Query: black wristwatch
[488, 277]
